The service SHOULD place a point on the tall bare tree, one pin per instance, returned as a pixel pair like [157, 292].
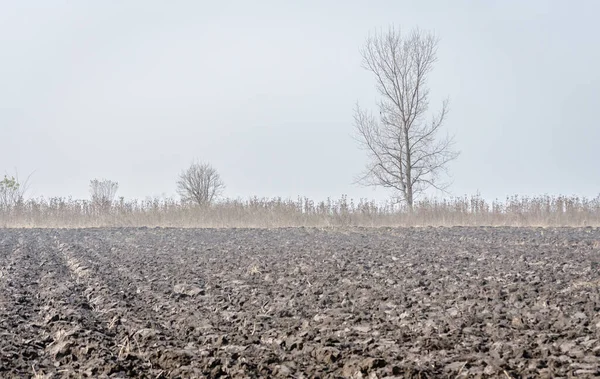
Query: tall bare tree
[405, 152]
[103, 192]
[200, 183]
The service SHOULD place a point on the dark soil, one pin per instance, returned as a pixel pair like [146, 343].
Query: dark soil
[360, 303]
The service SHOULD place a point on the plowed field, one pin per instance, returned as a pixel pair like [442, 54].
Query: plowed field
[361, 303]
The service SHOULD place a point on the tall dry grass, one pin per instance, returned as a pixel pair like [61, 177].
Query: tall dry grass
[255, 212]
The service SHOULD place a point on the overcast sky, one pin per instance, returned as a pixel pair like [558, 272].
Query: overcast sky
[264, 90]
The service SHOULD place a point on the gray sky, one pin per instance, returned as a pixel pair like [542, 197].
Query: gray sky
[264, 90]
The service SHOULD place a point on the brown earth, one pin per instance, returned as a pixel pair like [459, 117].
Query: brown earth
[300, 303]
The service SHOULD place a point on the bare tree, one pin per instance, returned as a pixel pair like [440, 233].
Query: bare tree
[200, 183]
[103, 192]
[405, 152]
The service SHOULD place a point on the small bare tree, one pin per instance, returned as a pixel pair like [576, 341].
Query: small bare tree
[200, 183]
[103, 192]
[405, 152]
[12, 190]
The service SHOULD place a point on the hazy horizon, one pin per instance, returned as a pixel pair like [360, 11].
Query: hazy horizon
[134, 92]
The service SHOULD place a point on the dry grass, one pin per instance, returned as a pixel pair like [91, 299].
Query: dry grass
[268, 213]
[39, 375]
[254, 270]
